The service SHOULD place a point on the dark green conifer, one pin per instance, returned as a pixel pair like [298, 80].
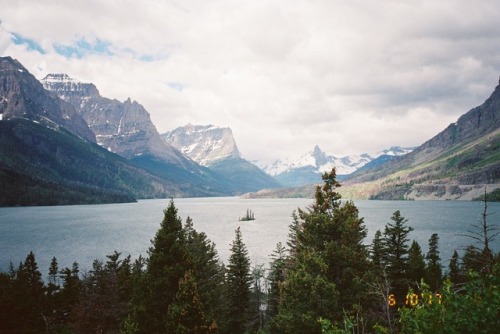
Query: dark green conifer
[238, 286]
[186, 313]
[433, 270]
[395, 258]
[416, 265]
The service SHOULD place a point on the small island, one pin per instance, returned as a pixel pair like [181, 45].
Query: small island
[249, 216]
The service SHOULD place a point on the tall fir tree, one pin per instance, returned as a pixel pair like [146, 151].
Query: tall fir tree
[167, 264]
[276, 278]
[433, 270]
[327, 264]
[207, 272]
[238, 285]
[395, 259]
[416, 265]
[454, 268]
[186, 313]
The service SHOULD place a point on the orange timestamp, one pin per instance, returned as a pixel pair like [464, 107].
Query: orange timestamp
[413, 299]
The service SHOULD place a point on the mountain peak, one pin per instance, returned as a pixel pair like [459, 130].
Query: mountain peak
[23, 96]
[204, 144]
[68, 88]
[58, 77]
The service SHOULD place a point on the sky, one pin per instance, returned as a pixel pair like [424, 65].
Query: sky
[353, 77]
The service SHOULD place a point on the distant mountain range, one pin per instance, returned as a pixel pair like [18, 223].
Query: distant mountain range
[63, 143]
[309, 167]
[34, 117]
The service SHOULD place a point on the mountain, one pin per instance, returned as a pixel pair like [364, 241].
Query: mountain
[204, 144]
[22, 96]
[309, 167]
[215, 148]
[125, 128]
[457, 163]
[42, 163]
[49, 155]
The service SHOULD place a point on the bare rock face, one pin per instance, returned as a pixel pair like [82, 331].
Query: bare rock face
[205, 144]
[22, 96]
[124, 128]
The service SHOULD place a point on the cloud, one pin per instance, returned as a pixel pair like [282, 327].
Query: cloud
[352, 77]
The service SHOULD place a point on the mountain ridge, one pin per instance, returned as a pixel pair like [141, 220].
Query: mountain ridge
[457, 163]
[215, 147]
[310, 166]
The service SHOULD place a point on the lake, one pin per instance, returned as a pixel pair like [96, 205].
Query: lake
[83, 233]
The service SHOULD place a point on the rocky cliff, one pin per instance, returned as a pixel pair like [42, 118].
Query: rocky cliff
[22, 96]
[215, 148]
[124, 128]
[204, 144]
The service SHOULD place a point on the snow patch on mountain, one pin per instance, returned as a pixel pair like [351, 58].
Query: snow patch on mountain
[320, 162]
[204, 144]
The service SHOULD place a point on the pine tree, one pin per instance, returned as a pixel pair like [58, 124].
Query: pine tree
[454, 268]
[327, 264]
[416, 265]
[395, 250]
[30, 292]
[186, 313]
[377, 250]
[166, 265]
[238, 286]
[207, 271]
[433, 270]
[276, 278]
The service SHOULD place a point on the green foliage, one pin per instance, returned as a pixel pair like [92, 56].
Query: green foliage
[326, 266]
[493, 196]
[395, 252]
[416, 264]
[186, 313]
[433, 270]
[238, 286]
[473, 308]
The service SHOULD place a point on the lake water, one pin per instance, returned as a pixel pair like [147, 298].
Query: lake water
[83, 233]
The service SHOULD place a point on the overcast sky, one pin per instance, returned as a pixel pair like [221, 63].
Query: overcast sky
[349, 76]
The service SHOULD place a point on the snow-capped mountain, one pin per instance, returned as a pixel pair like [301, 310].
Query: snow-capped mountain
[215, 148]
[310, 166]
[124, 128]
[205, 144]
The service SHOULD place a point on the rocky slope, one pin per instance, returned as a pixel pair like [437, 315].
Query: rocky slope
[458, 163]
[22, 96]
[124, 128]
[205, 144]
[215, 148]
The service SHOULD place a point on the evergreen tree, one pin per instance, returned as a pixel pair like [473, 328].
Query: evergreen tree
[276, 278]
[166, 265]
[416, 265]
[454, 268]
[207, 271]
[395, 250]
[327, 264]
[377, 250]
[238, 286]
[433, 270]
[30, 294]
[186, 314]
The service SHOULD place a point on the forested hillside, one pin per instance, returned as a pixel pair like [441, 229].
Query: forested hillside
[325, 280]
